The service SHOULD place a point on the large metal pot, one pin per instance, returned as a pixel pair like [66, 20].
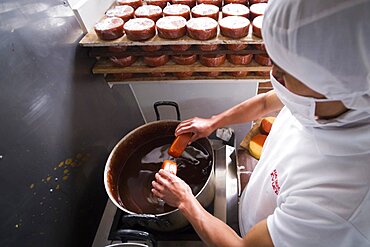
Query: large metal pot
[167, 221]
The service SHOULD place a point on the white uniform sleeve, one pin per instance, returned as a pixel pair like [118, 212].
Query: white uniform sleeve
[299, 222]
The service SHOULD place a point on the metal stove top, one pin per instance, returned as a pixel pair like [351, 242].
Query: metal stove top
[224, 207]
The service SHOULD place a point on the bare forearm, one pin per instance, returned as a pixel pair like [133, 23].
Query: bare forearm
[249, 110]
[210, 229]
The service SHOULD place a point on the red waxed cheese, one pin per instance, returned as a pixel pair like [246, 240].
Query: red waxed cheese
[151, 47]
[117, 48]
[209, 47]
[180, 47]
[217, 3]
[244, 2]
[171, 27]
[257, 10]
[240, 59]
[177, 10]
[263, 59]
[159, 3]
[257, 26]
[190, 3]
[109, 28]
[149, 11]
[139, 29]
[124, 12]
[257, 1]
[157, 74]
[260, 47]
[205, 10]
[202, 28]
[212, 60]
[123, 61]
[211, 74]
[133, 3]
[239, 73]
[235, 10]
[236, 47]
[184, 59]
[122, 76]
[185, 74]
[235, 27]
[155, 61]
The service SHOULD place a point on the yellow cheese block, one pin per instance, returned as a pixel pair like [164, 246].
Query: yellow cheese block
[256, 144]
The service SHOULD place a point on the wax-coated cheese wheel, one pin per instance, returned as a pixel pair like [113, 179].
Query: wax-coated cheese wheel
[140, 29]
[263, 59]
[235, 10]
[184, 74]
[109, 28]
[117, 48]
[256, 144]
[212, 47]
[123, 61]
[133, 3]
[244, 2]
[157, 74]
[180, 47]
[260, 47]
[184, 59]
[211, 74]
[155, 61]
[240, 59]
[151, 47]
[205, 10]
[257, 1]
[236, 47]
[171, 27]
[239, 73]
[212, 60]
[257, 10]
[124, 12]
[235, 27]
[149, 11]
[202, 28]
[177, 10]
[257, 26]
[217, 3]
[190, 3]
[159, 3]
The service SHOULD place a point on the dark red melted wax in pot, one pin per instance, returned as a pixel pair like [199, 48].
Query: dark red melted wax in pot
[134, 183]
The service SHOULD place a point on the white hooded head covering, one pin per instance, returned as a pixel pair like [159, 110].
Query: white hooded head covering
[326, 45]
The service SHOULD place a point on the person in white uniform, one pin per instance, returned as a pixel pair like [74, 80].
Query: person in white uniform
[311, 184]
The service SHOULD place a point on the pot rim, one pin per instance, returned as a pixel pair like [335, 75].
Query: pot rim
[107, 168]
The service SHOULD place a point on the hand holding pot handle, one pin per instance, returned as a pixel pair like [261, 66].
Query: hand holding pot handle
[170, 188]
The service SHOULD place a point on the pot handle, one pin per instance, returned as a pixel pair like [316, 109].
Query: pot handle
[128, 234]
[167, 103]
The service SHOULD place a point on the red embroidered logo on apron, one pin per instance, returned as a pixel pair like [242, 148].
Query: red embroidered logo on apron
[275, 182]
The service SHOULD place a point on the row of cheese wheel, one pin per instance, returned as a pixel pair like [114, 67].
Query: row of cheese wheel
[154, 12]
[176, 22]
[187, 74]
[206, 60]
[191, 3]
